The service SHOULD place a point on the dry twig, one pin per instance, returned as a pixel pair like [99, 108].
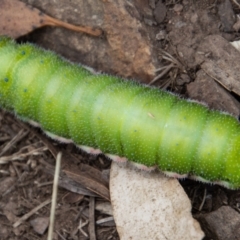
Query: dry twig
[174, 65]
[54, 196]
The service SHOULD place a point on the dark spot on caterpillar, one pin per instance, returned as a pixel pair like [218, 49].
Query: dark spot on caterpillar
[23, 52]
[5, 79]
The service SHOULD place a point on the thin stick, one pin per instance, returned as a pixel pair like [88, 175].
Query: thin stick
[203, 201]
[166, 70]
[21, 156]
[55, 22]
[16, 139]
[33, 211]
[91, 227]
[54, 196]
[235, 1]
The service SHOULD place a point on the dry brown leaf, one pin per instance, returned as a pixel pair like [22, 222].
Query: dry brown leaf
[82, 179]
[80, 182]
[219, 59]
[18, 19]
[89, 183]
[71, 197]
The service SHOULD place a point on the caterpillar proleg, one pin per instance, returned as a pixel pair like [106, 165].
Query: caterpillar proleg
[122, 119]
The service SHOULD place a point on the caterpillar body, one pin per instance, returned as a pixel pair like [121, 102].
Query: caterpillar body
[122, 119]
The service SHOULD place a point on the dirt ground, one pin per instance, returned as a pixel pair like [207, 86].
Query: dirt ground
[178, 32]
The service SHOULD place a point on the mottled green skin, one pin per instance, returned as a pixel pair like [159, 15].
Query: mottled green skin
[124, 118]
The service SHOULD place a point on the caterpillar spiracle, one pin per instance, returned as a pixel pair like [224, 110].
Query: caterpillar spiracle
[122, 119]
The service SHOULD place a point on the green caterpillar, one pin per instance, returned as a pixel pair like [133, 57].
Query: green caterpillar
[122, 119]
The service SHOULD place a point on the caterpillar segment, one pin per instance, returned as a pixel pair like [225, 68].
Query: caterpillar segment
[122, 119]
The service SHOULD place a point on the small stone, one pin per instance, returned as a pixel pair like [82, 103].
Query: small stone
[204, 88]
[6, 184]
[178, 7]
[4, 232]
[161, 35]
[160, 12]
[40, 224]
[159, 212]
[222, 224]
[227, 16]
[183, 79]
[236, 25]
[152, 4]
